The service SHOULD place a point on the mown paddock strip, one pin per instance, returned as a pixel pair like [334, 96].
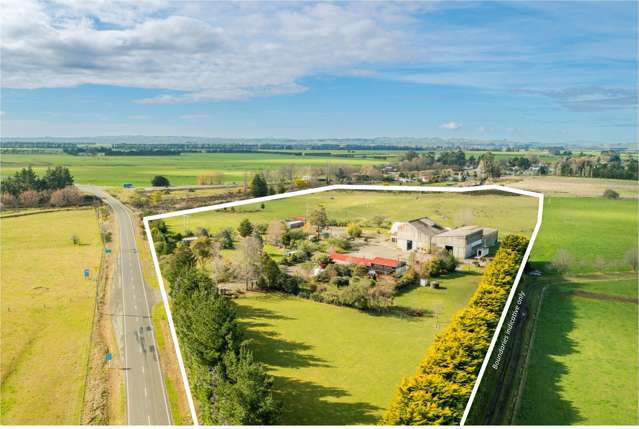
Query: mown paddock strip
[46, 313]
[331, 188]
[179, 169]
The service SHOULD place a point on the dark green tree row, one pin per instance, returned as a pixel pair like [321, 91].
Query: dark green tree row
[229, 385]
[27, 180]
[437, 394]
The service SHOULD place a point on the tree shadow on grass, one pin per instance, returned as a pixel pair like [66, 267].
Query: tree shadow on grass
[269, 346]
[542, 401]
[307, 403]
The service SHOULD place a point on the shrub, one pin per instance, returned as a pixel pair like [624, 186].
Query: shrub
[160, 181]
[67, 196]
[562, 261]
[610, 194]
[354, 230]
[514, 242]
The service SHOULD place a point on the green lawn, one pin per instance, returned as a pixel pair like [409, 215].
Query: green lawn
[179, 169]
[583, 369]
[47, 309]
[583, 363]
[337, 365]
[588, 228]
[510, 214]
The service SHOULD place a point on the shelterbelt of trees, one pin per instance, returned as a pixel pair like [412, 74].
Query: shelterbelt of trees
[26, 189]
[231, 388]
[437, 394]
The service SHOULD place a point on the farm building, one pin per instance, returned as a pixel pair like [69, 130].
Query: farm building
[415, 234]
[467, 241]
[377, 264]
[298, 222]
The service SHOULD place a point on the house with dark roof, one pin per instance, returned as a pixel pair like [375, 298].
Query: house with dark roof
[416, 234]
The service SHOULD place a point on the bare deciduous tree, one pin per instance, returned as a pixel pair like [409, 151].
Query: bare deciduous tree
[250, 260]
[563, 261]
[632, 258]
[67, 196]
[275, 231]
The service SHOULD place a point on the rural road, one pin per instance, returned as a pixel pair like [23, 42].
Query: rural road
[147, 403]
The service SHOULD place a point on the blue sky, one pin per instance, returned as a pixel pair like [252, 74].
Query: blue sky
[521, 71]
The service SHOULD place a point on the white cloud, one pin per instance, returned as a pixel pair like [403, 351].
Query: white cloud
[209, 51]
[452, 125]
[196, 52]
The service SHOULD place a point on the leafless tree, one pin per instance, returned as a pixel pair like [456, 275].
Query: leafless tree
[275, 232]
[67, 196]
[250, 259]
[563, 261]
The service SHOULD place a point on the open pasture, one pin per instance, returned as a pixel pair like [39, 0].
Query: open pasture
[47, 308]
[337, 365]
[179, 169]
[586, 348]
[508, 213]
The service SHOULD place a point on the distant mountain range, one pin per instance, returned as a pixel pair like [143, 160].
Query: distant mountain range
[386, 141]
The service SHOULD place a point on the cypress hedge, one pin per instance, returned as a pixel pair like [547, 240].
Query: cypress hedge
[437, 394]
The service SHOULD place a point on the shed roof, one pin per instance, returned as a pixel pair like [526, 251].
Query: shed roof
[463, 231]
[427, 226]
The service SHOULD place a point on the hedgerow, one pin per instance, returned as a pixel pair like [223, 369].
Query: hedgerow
[437, 394]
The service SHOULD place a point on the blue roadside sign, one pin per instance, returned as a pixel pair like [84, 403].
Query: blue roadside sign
[109, 356]
[86, 273]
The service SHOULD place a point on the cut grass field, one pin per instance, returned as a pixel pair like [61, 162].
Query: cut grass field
[583, 361]
[597, 232]
[47, 308]
[179, 169]
[583, 368]
[338, 365]
[510, 214]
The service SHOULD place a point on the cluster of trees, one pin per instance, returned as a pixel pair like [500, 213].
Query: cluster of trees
[26, 189]
[231, 387]
[356, 292]
[437, 394]
[608, 165]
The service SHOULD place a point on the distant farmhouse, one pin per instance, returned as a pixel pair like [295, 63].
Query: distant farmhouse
[424, 234]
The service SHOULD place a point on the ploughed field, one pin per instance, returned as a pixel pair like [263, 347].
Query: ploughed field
[47, 308]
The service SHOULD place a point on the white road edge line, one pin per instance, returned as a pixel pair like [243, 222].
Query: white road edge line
[149, 312]
[452, 189]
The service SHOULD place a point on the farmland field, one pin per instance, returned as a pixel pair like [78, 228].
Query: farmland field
[47, 310]
[574, 186]
[179, 169]
[337, 365]
[585, 349]
[510, 214]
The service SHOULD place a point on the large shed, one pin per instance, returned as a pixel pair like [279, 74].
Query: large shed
[416, 234]
[467, 241]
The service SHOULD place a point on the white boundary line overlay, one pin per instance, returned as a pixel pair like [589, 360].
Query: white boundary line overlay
[452, 189]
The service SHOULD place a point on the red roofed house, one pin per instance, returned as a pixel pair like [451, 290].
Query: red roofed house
[377, 264]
